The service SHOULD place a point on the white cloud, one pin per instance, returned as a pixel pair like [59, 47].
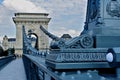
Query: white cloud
[23, 6]
[67, 15]
[0, 19]
[6, 24]
[63, 30]
[7, 10]
[61, 7]
[1, 38]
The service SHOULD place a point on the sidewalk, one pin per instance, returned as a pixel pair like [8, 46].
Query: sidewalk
[13, 71]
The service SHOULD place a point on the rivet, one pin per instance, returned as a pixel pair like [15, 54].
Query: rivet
[63, 74]
[78, 72]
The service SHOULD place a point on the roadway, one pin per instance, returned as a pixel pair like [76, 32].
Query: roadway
[13, 71]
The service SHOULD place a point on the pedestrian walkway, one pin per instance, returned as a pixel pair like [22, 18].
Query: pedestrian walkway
[13, 71]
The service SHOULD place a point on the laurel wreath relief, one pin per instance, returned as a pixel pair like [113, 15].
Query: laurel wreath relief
[113, 8]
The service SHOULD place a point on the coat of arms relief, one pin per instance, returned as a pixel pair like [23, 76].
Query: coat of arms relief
[113, 8]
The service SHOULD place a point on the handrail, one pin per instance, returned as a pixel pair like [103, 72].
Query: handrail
[33, 61]
[35, 70]
[5, 60]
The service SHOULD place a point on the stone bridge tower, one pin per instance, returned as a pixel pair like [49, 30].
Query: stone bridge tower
[32, 22]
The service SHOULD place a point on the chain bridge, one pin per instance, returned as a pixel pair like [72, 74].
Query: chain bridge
[93, 55]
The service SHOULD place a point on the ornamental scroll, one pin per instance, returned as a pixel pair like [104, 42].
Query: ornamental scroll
[113, 8]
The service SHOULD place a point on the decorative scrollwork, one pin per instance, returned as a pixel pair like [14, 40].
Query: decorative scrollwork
[113, 8]
[86, 41]
[61, 43]
[94, 11]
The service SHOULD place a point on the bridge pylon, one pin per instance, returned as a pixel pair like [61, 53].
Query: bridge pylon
[32, 22]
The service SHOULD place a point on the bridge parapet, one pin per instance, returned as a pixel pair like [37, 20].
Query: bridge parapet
[6, 60]
[37, 70]
[88, 51]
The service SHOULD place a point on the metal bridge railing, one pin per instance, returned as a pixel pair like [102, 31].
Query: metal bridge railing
[6, 60]
[27, 47]
[35, 70]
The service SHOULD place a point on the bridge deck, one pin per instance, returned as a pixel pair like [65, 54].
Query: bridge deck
[13, 71]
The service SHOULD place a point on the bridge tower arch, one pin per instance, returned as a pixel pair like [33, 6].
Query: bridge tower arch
[34, 39]
[31, 21]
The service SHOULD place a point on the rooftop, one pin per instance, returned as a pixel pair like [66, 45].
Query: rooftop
[11, 39]
[38, 15]
[66, 36]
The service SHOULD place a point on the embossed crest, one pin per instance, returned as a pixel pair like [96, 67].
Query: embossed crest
[113, 8]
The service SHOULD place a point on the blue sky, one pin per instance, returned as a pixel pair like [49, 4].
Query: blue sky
[1, 1]
[68, 16]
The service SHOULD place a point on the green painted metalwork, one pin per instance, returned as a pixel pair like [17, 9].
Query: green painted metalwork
[93, 55]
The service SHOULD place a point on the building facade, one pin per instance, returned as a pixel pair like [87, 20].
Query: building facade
[8, 42]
